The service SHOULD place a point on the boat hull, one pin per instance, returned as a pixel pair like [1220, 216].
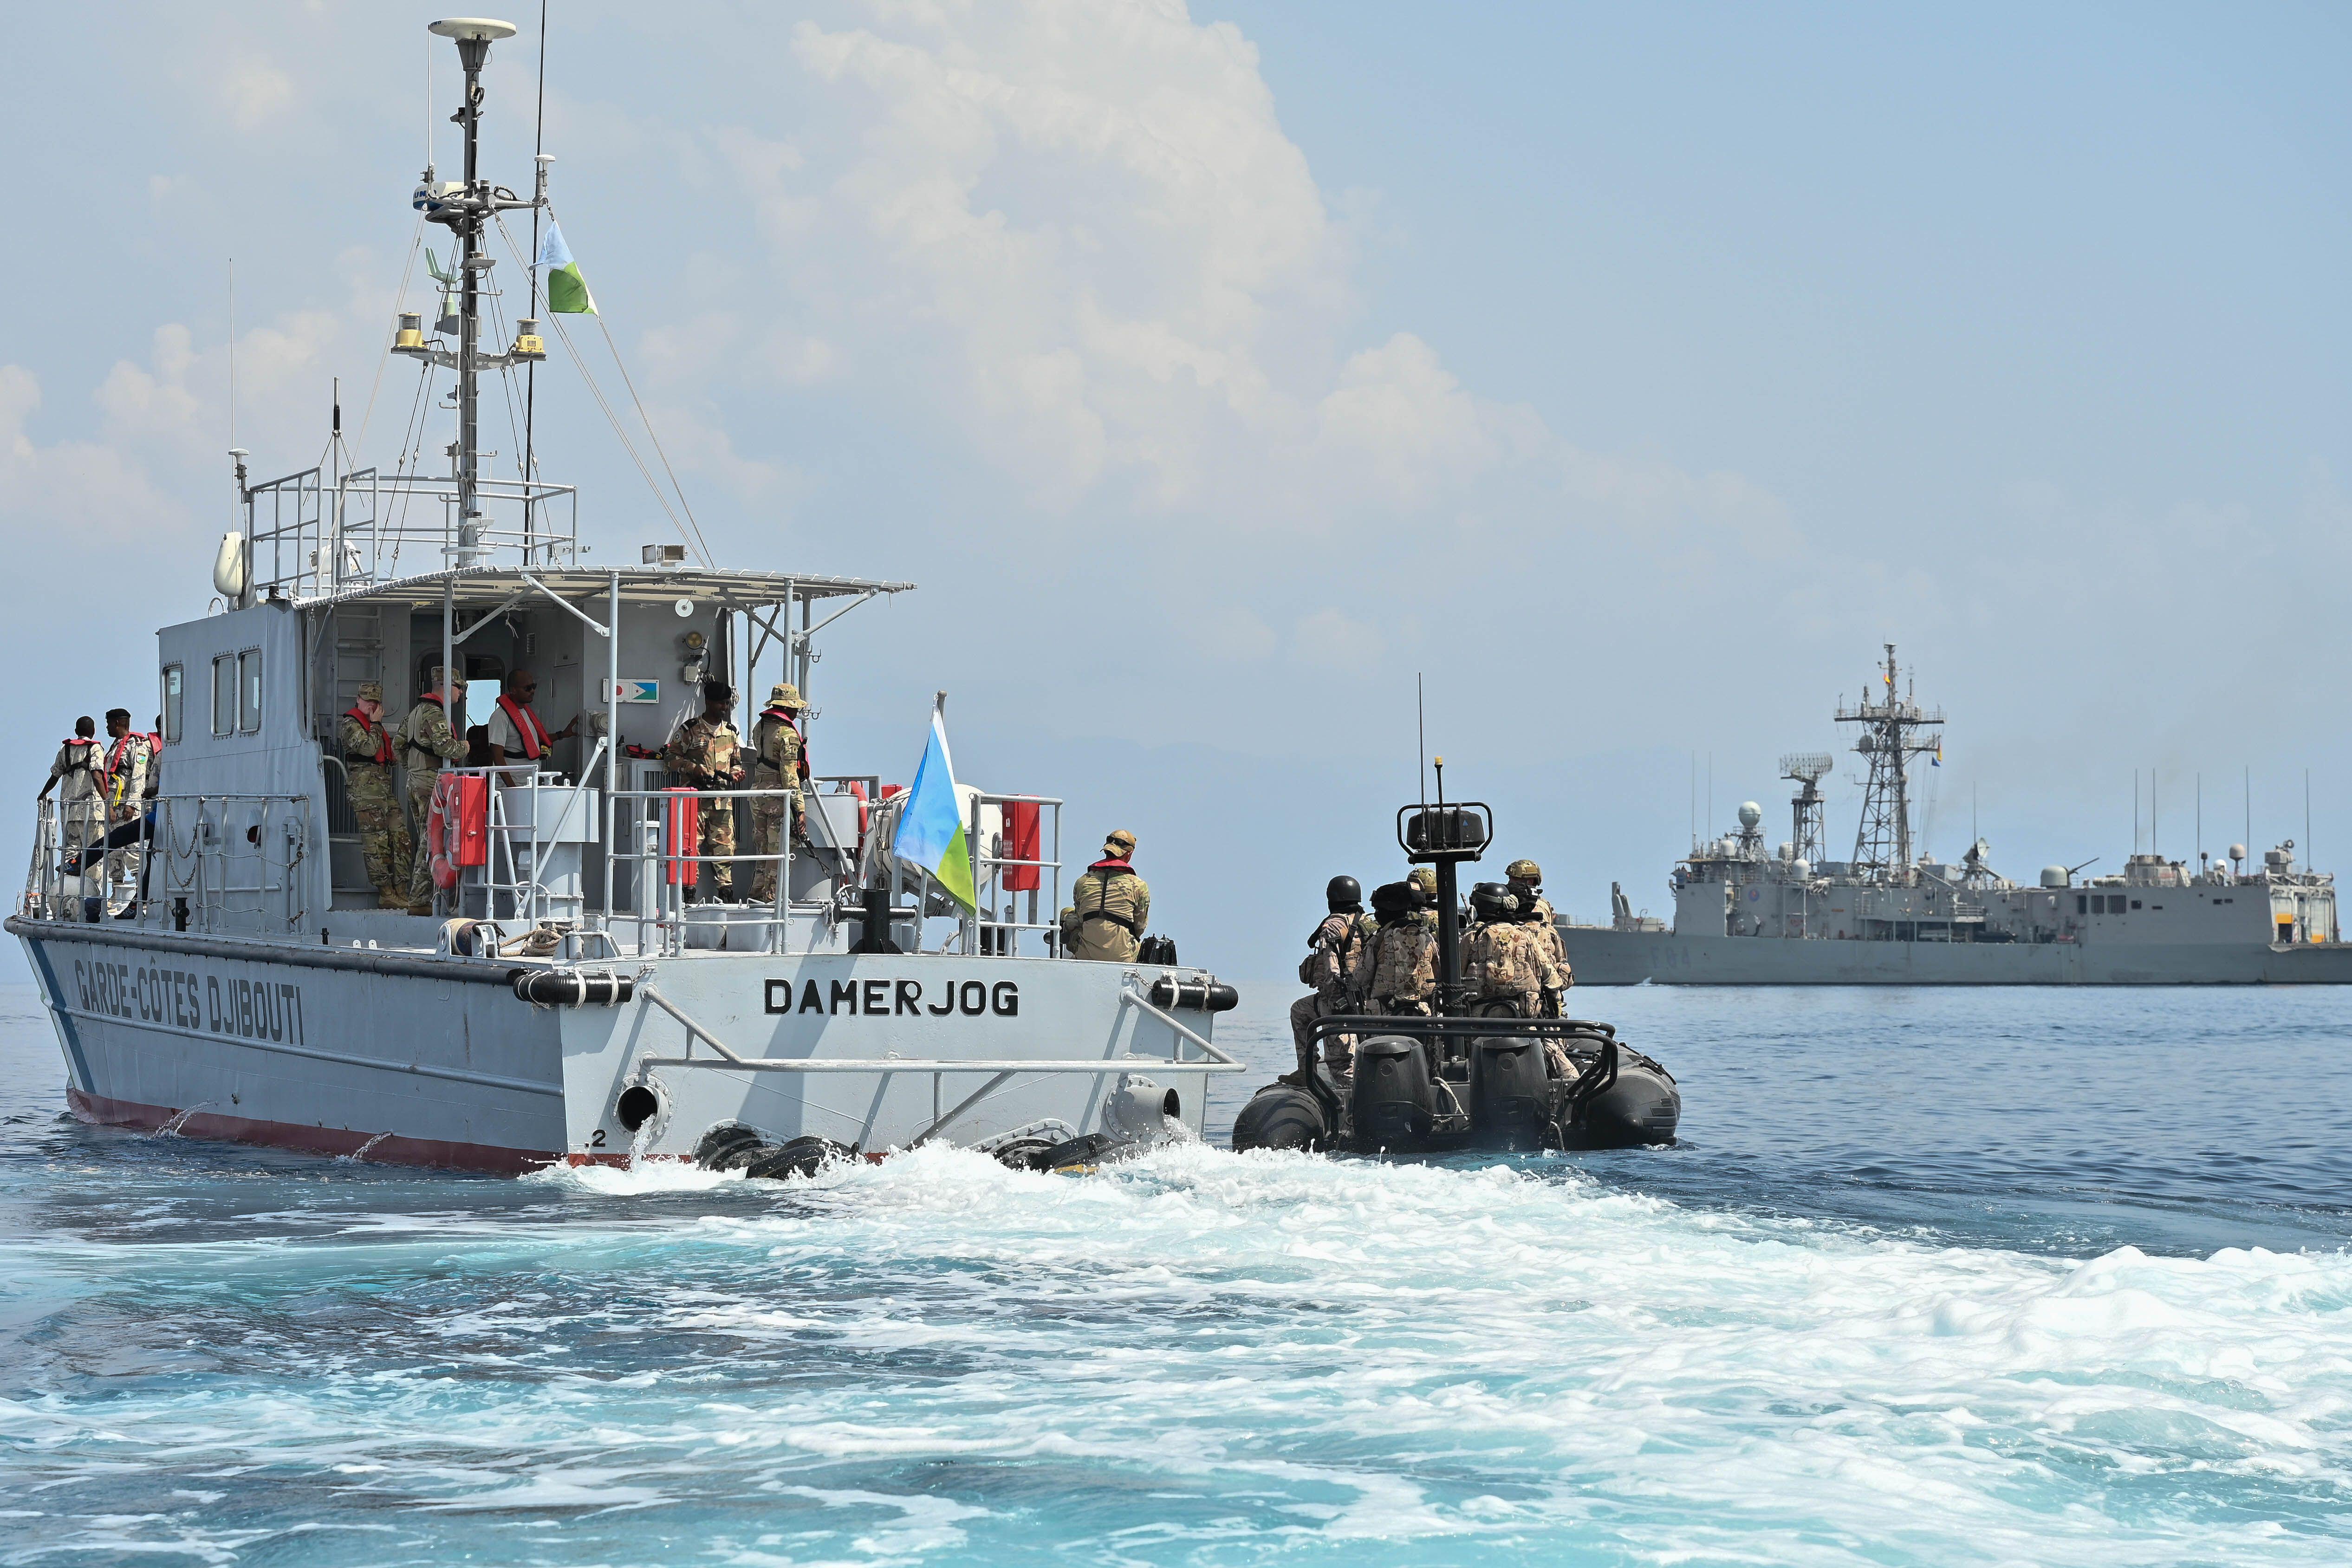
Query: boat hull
[1603, 957]
[430, 1060]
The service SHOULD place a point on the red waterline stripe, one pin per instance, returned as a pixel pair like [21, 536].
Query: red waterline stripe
[392, 1150]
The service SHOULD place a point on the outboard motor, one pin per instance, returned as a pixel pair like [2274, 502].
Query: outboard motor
[1508, 1093]
[1394, 1102]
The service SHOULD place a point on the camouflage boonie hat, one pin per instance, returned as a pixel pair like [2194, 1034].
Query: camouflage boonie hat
[1524, 871]
[371, 691]
[784, 694]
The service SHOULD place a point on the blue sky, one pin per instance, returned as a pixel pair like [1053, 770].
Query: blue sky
[1631, 373]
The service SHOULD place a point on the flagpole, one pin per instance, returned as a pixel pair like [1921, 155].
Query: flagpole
[530, 372]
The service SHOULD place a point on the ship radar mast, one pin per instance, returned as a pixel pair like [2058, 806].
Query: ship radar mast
[1895, 729]
[466, 209]
[1806, 770]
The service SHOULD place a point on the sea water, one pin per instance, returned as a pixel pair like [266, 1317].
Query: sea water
[1934, 1277]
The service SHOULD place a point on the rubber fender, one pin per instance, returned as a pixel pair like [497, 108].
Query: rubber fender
[1280, 1116]
[1643, 1106]
[1080, 1151]
[571, 988]
[1510, 1094]
[1393, 1102]
[1194, 995]
[801, 1157]
[729, 1146]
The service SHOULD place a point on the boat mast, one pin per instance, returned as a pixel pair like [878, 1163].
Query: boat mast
[466, 211]
[1893, 729]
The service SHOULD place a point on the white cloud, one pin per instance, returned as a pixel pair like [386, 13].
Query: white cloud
[252, 90]
[1334, 641]
[71, 495]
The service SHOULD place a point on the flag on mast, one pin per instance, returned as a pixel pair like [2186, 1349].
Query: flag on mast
[930, 826]
[567, 291]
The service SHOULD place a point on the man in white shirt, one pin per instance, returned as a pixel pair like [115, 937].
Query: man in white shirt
[515, 729]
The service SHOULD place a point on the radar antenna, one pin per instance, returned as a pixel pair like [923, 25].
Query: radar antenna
[1895, 729]
[1806, 770]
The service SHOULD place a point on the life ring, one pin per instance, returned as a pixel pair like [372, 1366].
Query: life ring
[436, 837]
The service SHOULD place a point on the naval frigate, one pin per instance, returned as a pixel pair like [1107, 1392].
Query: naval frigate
[223, 967]
[1747, 915]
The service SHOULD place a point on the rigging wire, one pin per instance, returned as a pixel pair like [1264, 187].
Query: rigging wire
[400, 298]
[692, 541]
[656, 439]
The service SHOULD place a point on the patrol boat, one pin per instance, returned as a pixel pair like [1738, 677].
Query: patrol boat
[1459, 1081]
[567, 1000]
[1746, 915]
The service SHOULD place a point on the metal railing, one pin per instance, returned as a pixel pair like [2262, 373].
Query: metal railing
[305, 538]
[235, 862]
[665, 868]
[526, 875]
[986, 930]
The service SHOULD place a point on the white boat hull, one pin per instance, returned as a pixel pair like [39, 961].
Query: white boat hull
[433, 1060]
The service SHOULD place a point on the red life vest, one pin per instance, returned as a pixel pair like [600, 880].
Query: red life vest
[93, 760]
[785, 714]
[383, 745]
[532, 733]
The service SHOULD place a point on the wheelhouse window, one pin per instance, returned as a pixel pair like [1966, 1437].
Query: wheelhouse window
[248, 691]
[174, 681]
[225, 695]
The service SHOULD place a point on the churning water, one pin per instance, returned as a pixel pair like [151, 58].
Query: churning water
[1938, 1278]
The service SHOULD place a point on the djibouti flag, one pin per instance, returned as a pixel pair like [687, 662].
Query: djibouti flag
[567, 291]
[930, 826]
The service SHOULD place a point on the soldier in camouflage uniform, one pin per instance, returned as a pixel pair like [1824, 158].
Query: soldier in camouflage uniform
[1109, 905]
[1338, 965]
[1502, 958]
[367, 770]
[702, 754]
[780, 761]
[1424, 880]
[1404, 953]
[427, 743]
[1527, 882]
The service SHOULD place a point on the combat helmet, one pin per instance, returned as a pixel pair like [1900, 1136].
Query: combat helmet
[1344, 895]
[1491, 902]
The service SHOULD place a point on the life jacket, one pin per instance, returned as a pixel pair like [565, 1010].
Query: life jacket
[532, 733]
[421, 760]
[781, 716]
[91, 761]
[1100, 874]
[383, 745]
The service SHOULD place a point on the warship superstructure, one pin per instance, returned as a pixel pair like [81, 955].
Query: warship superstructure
[575, 994]
[1749, 914]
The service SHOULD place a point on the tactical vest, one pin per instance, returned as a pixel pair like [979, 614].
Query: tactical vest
[1404, 961]
[1503, 959]
[1099, 897]
[1335, 954]
[791, 765]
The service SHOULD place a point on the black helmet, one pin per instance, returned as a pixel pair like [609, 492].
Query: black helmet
[1343, 893]
[1493, 901]
[1390, 899]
